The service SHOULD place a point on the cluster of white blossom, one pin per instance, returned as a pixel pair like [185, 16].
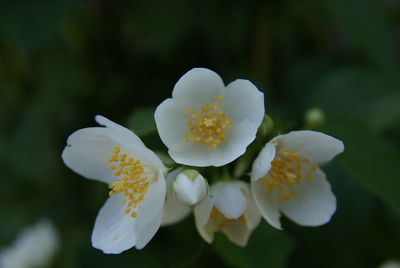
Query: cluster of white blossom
[204, 124]
[34, 247]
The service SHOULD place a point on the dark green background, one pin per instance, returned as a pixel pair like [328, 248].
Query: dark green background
[63, 62]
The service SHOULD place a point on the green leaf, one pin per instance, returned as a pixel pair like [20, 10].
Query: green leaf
[364, 27]
[41, 23]
[142, 121]
[369, 158]
[362, 95]
[386, 111]
[267, 247]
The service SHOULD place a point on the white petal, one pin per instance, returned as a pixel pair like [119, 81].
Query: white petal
[203, 210]
[190, 191]
[87, 152]
[145, 155]
[132, 143]
[174, 210]
[44, 234]
[195, 156]
[238, 233]
[114, 230]
[202, 213]
[317, 146]
[196, 87]
[243, 133]
[390, 264]
[252, 214]
[24, 252]
[262, 164]
[170, 178]
[101, 120]
[171, 126]
[206, 231]
[314, 202]
[198, 155]
[230, 149]
[151, 212]
[267, 205]
[243, 101]
[231, 199]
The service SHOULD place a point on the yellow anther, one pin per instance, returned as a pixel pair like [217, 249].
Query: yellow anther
[131, 182]
[221, 221]
[113, 158]
[286, 173]
[123, 157]
[217, 98]
[208, 126]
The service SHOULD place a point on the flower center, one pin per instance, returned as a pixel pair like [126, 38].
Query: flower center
[221, 221]
[287, 171]
[209, 126]
[132, 182]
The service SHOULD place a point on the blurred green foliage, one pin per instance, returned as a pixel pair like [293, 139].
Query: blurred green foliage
[62, 62]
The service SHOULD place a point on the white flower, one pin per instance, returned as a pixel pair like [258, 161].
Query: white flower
[135, 175]
[230, 208]
[390, 264]
[34, 247]
[174, 209]
[286, 178]
[206, 123]
[190, 187]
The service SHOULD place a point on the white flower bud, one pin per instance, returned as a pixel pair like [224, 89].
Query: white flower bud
[190, 187]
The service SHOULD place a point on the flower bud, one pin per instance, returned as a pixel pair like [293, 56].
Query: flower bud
[190, 187]
[314, 118]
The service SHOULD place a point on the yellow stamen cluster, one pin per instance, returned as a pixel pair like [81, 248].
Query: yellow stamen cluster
[210, 125]
[131, 183]
[285, 173]
[221, 221]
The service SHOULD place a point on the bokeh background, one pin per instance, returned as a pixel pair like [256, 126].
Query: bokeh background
[63, 62]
